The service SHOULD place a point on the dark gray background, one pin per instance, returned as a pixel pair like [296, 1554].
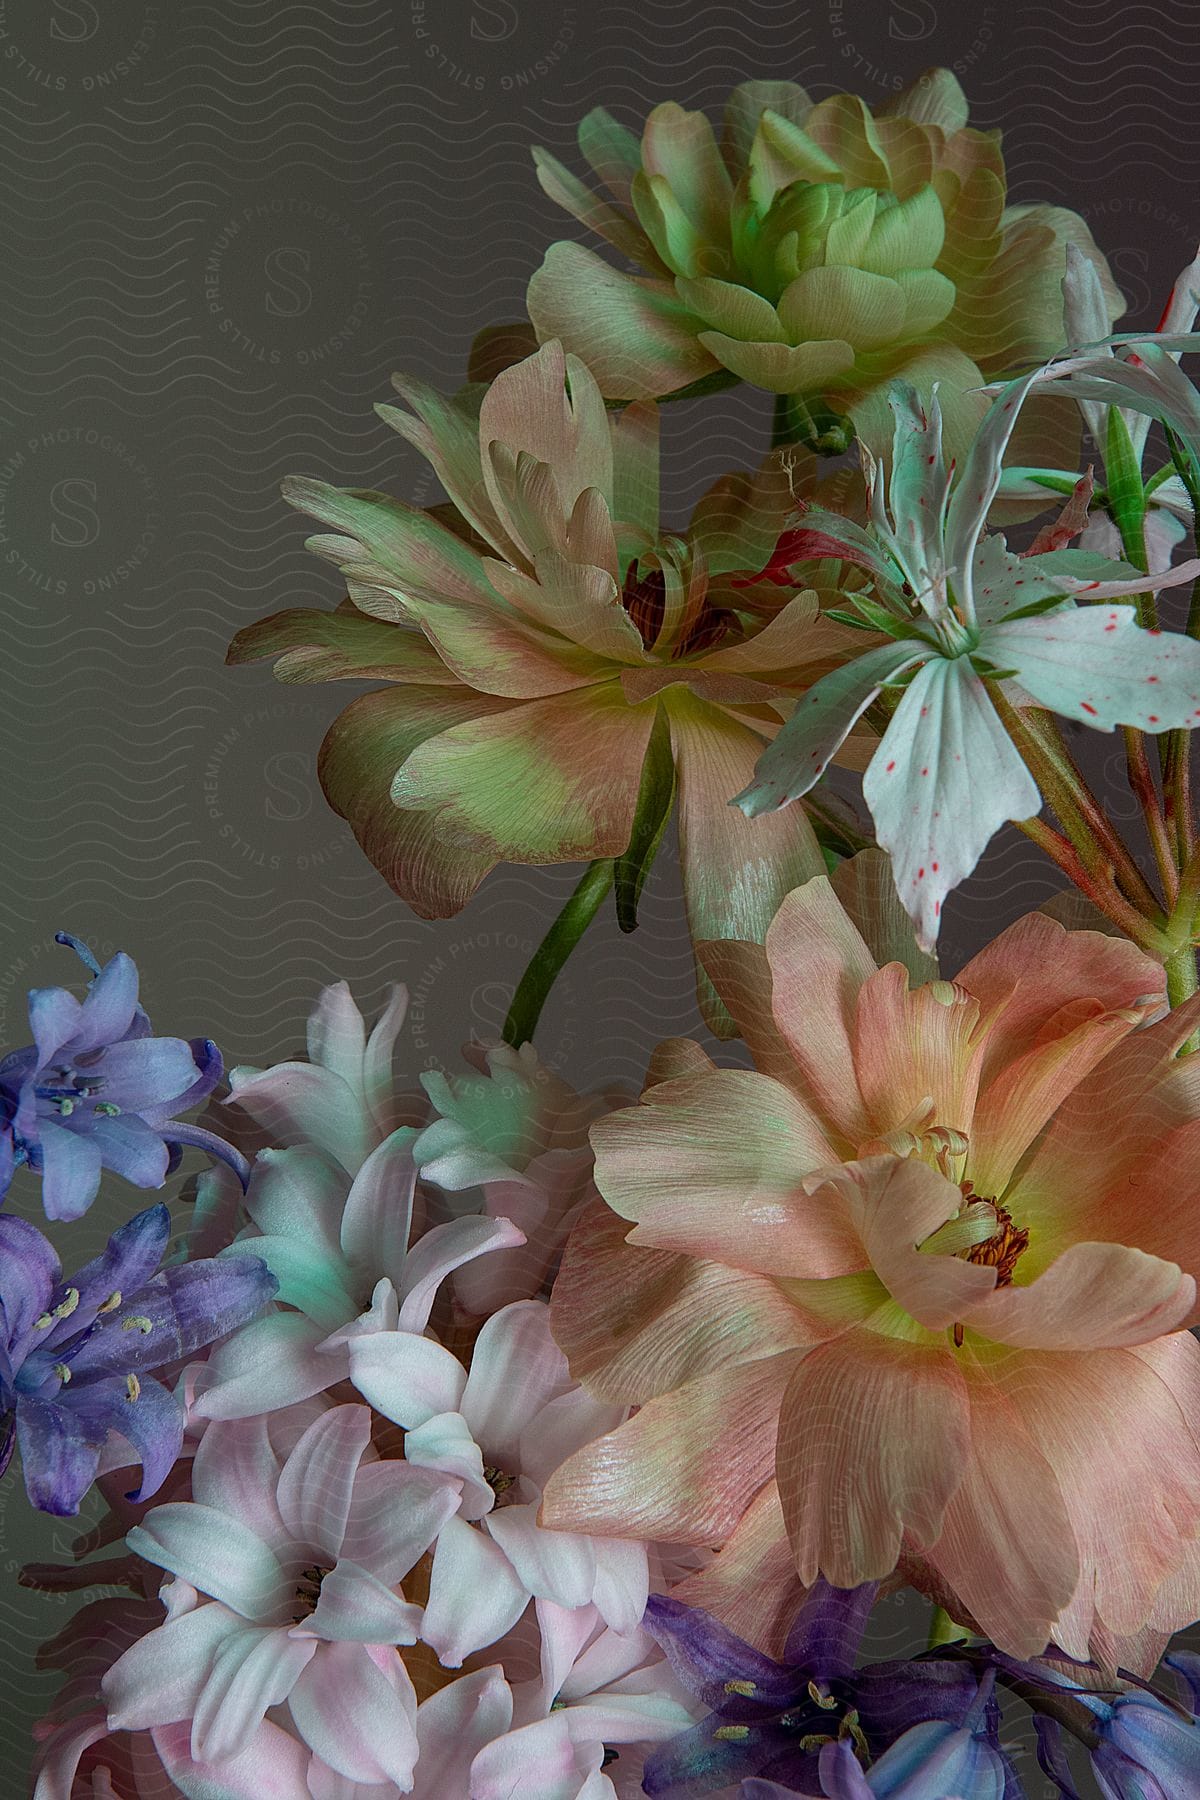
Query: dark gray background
[225, 223]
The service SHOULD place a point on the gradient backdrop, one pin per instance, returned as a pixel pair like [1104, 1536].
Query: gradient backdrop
[224, 223]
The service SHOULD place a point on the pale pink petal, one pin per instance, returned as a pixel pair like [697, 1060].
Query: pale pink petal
[1007, 1547]
[1134, 1510]
[317, 1480]
[440, 1251]
[896, 1203]
[406, 1378]
[741, 975]
[1120, 1159]
[355, 1605]
[562, 1632]
[378, 1077]
[1092, 1297]
[298, 1193]
[475, 1595]
[160, 1678]
[553, 1565]
[516, 1367]
[217, 1554]
[1012, 1110]
[622, 1584]
[234, 1470]
[873, 1433]
[300, 1104]
[378, 1212]
[712, 1165]
[336, 1034]
[396, 1511]
[357, 1709]
[736, 871]
[1027, 975]
[444, 1443]
[273, 1766]
[635, 1323]
[751, 1584]
[685, 1467]
[549, 407]
[250, 1673]
[818, 963]
[270, 1363]
[538, 1762]
[917, 1052]
[560, 1428]
[453, 1725]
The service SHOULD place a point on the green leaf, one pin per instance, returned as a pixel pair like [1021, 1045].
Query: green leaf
[656, 795]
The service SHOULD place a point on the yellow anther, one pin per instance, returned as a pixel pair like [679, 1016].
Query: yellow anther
[138, 1322]
[43, 1322]
[67, 1304]
[732, 1734]
[63, 1373]
[741, 1687]
[820, 1698]
[133, 1388]
[112, 1303]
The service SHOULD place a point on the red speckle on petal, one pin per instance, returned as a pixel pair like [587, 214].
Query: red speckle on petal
[889, 768]
[934, 867]
[1153, 631]
[920, 874]
[937, 907]
[1152, 678]
[1110, 628]
[931, 460]
[1087, 708]
[924, 712]
[1153, 718]
[924, 771]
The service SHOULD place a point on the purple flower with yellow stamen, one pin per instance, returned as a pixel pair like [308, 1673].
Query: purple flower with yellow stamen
[76, 1357]
[96, 1090]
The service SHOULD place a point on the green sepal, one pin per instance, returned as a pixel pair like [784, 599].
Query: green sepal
[875, 615]
[1123, 478]
[849, 618]
[656, 795]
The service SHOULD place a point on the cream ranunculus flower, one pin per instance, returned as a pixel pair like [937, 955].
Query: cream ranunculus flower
[819, 250]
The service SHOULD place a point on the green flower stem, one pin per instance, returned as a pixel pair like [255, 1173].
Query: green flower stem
[1175, 748]
[786, 424]
[1099, 887]
[1182, 982]
[1141, 780]
[796, 421]
[1097, 847]
[548, 959]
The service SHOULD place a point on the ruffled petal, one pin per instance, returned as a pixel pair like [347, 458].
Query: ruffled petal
[698, 1177]
[685, 1467]
[873, 1435]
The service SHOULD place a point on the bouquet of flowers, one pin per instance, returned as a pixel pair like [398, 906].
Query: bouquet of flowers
[482, 1439]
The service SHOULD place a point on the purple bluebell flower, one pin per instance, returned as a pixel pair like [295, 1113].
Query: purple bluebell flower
[1142, 1747]
[76, 1356]
[95, 1090]
[770, 1719]
[931, 1761]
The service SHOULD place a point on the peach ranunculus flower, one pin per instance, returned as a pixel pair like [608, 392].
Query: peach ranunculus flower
[929, 1269]
[548, 649]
